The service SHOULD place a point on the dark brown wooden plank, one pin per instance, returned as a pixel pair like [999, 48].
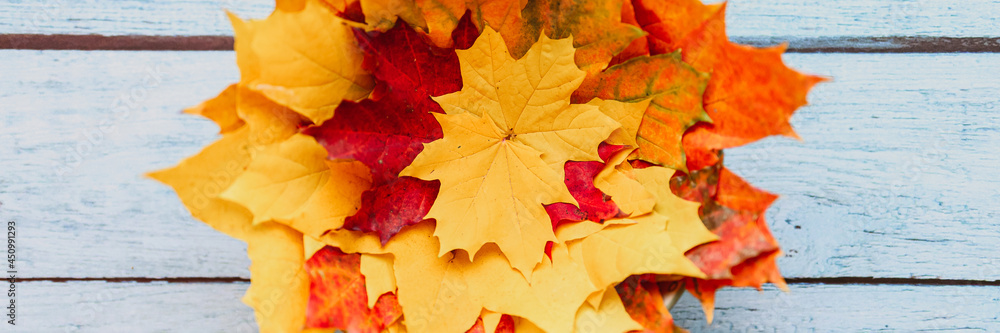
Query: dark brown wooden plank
[117, 43]
[857, 280]
[846, 280]
[898, 44]
[918, 44]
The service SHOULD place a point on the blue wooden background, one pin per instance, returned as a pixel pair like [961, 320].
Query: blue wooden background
[888, 216]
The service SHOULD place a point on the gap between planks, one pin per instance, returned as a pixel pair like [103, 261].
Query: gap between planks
[846, 280]
[897, 44]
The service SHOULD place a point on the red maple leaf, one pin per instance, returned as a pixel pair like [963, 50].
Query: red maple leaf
[337, 297]
[373, 133]
[387, 131]
[465, 33]
[594, 204]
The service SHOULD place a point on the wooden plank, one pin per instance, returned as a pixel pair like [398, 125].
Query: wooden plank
[131, 307]
[854, 18]
[848, 308]
[896, 177]
[785, 18]
[127, 17]
[117, 43]
[78, 131]
[215, 307]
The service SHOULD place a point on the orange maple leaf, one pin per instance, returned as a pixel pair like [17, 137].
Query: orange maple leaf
[596, 26]
[644, 303]
[745, 254]
[751, 94]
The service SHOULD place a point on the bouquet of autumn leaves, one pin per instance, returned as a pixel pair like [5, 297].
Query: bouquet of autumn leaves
[489, 165]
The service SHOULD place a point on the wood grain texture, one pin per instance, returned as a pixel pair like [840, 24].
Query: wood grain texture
[854, 18]
[896, 176]
[851, 308]
[79, 129]
[790, 18]
[215, 307]
[126, 17]
[131, 307]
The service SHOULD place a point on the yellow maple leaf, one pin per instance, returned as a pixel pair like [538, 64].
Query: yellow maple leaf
[269, 122]
[576, 230]
[447, 294]
[522, 325]
[507, 134]
[608, 316]
[685, 227]
[350, 241]
[617, 252]
[490, 320]
[219, 110]
[292, 182]
[307, 60]
[279, 284]
[244, 33]
[379, 279]
[324, 330]
[616, 180]
[397, 327]
[311, 245]
[629, 115]
[199, 179]
[279, 289]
